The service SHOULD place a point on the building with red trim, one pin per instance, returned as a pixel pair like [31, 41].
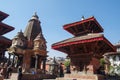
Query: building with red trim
[87, 45]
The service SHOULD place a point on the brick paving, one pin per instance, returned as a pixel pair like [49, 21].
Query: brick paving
[30, 77]
[13, 77]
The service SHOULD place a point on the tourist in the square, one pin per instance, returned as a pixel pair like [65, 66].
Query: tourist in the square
[20, 73]
[1, 65]
[3, 70]
[67, 65]
[9, 71]
[61, 71]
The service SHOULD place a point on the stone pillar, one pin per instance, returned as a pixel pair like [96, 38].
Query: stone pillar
[39, 62]
[44, 64]
[36, 62]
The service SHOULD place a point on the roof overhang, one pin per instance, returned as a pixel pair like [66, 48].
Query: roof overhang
[90, 39]
[90, 21]
[5, 42]
[3, 15]
[117, 45]
[4, 28]
[112, 53]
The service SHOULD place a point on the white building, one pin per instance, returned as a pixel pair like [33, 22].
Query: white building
[114, 58]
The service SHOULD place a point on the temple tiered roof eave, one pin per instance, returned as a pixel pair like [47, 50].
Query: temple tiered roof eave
[4, 28]
[5, 41]
[112, 53]
[82, 40]
[78, 38]
[117, 45]
[73, 27]
[3, 16]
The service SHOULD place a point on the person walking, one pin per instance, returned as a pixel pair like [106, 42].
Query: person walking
[9, 71]
[61, 71]
[19, 73]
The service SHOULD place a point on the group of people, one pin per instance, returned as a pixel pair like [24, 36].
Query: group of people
[5, 70]
[61, 70]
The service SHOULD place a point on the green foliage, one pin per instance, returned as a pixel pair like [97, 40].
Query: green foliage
[110, 68]
[102, 61]
[114, 70]
[67, 63]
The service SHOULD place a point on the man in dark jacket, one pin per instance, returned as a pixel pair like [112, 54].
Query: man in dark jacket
[9, 71]
[19, 73]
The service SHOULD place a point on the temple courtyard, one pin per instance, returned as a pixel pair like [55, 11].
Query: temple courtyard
[90, 55]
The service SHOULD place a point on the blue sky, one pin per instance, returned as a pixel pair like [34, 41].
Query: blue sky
[53, 14]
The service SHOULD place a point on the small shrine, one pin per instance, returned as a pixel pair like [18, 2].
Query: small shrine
[29, 48]
[86, 47]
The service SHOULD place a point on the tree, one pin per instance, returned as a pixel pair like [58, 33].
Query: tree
[67, 65]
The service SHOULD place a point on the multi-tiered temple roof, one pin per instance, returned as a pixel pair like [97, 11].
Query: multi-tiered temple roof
[84, 26]
[88, 44]
[4, 28]
[86, 32]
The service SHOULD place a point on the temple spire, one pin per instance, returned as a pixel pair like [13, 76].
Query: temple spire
[35, 13]
[21, 30]
[82, 18]
[33, 28]
[35, 16]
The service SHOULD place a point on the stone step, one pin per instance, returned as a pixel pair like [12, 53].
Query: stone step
[13, 76]
[49, 79]
[81, 77]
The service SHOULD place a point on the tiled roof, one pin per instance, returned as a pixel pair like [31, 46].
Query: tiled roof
[117, 44]
[112, 53]
[40, 37]
[4, 28]
[4, 40]
[82, 22]
[79, 38]
[33, 28]
[3, 15]
[20, 35]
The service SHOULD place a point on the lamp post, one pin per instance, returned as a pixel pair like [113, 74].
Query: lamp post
[53, 67]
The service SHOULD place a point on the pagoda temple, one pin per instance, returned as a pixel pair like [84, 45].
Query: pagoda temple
[4, 42]
[29, 47]
[86, 47]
